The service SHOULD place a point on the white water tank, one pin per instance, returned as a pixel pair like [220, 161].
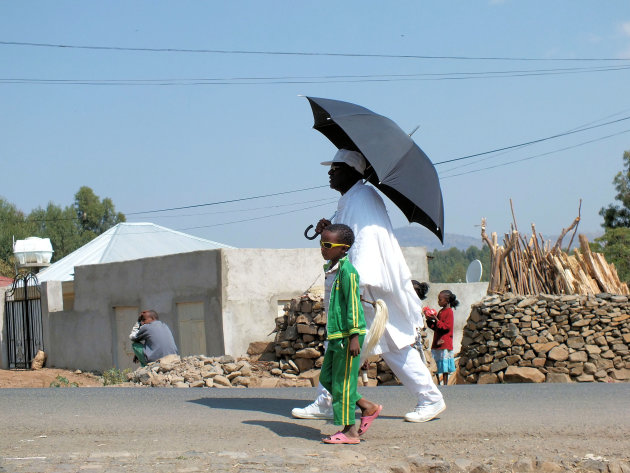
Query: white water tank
[33, 251]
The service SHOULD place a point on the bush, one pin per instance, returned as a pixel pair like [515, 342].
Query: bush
[115, 376]
[61, 382]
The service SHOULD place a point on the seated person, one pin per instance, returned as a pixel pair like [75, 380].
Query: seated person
[152, 340]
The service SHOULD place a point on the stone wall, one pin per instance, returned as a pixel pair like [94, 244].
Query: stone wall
[300, 337]
[548, 338]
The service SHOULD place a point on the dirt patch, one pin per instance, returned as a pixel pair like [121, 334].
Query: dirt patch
[44, 377]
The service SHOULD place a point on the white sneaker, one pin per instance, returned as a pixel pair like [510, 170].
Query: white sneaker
[425, 413]
[313, 411]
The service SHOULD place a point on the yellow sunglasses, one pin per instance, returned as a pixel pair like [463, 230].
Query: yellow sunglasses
[327, 244]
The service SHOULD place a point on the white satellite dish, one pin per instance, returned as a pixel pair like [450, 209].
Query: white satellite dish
[474, 271]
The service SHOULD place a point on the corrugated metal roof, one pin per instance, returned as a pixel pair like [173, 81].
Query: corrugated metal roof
[125, 242]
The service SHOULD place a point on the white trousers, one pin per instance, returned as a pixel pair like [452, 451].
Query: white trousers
[409, 369]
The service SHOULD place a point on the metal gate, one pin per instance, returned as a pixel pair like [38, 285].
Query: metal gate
[23, 320]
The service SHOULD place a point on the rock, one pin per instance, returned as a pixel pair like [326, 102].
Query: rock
[585, 378]
[232, 375]
[263, 382]
[462, 465]
[498, 366]
[422, 464]
[169, 360]
[307, 328]
[241, 381]
[619, 467]
[621, 374]
[544, 347]
[488, 378]
[575, 342]
[593, 349]
[549, 467]
[258, 348]
[515, 374]
[230, 368]
[578, 356]
[312, 376]
[523, 465]
[558, 378]
[591, 464]
[558, 354]
[304, 364]
[308, 353]
[220, 380]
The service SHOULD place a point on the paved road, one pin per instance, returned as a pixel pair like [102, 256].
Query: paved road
[161, 429]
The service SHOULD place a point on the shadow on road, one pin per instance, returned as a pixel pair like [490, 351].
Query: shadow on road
[288, 429]
[269, 405]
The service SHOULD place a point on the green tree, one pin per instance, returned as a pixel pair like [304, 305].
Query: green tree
[451, 265]
[616, 216]
[60, 225]
[615, 245]
[95, 216]
[68, 228]
[13, 224]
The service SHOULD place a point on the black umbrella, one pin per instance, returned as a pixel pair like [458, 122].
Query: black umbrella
[396, 165]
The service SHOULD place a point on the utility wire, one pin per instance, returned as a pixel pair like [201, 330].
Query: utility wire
[540, 140]
[537, 155]
[267, 207]
[437, 163]
[296, 53]
[226, 201]
[577, 128]
[311, 80]
[254, 218]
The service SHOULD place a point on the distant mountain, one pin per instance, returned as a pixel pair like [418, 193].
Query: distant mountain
[420, 236]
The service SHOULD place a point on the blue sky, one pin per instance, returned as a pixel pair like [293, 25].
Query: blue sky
[187, 128]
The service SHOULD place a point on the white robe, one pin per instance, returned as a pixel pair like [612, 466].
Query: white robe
[383, 272]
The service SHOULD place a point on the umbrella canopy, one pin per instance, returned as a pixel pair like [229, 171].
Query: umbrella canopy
[396, 164]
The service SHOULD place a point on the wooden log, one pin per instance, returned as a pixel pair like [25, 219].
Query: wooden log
[578, 273]
[590, 263]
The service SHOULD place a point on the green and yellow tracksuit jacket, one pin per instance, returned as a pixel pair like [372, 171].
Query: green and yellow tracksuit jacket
[345, 312]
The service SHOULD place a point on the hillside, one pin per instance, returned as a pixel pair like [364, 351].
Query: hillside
[420, 236]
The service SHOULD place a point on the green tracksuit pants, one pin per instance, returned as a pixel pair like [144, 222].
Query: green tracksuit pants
[339, 375]
[138, 350]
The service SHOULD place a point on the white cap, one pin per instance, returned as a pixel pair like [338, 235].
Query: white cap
[353, 159]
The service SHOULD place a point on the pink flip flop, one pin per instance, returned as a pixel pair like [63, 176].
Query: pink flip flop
[340, 437]
[366, 421]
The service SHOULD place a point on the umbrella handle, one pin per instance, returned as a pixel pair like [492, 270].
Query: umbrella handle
[306, 233]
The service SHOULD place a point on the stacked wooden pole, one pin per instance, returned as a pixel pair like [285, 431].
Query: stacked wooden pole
[531, 266]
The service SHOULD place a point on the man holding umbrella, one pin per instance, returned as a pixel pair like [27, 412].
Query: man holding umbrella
[384, 274]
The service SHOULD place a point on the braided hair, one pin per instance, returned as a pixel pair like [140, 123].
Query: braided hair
[452, 298]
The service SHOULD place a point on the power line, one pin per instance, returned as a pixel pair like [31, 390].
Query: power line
[296, 53]
[540, 140]
[537, 155]
[577, 128]
[326, 79]
[232, 211]
[254, 218]
[226, 201]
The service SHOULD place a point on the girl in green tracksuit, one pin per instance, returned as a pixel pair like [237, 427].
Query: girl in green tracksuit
[346, 331]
